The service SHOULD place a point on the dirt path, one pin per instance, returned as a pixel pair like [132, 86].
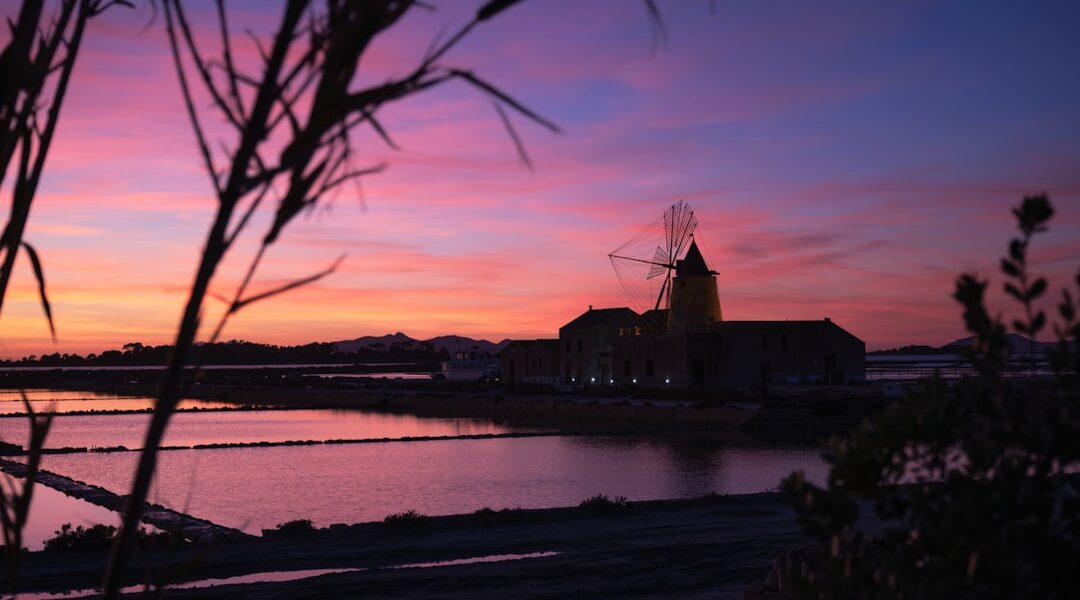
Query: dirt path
[715, 548]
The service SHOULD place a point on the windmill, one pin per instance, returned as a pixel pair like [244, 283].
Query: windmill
[651, 257]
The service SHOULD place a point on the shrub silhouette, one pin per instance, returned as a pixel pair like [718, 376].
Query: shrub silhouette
[407, 519]
[97, 538]
[601, 503]
[299, 527]
[970, 485]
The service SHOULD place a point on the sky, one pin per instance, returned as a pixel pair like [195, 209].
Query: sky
[845, 160]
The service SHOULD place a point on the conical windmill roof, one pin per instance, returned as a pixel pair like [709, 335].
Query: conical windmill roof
[693, 264]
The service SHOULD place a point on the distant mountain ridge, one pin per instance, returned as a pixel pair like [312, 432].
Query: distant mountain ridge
[450, 343]
[1019, 343]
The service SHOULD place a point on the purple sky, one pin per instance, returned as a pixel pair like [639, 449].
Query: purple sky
[845, 159]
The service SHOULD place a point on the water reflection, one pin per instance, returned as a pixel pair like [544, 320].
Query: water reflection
[51, 509]
[188, 429]
[82, 405]
[257, 488]
[38, 394]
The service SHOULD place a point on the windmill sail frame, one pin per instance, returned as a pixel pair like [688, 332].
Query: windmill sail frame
[678, 224]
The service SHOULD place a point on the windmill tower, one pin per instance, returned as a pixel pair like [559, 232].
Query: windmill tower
[687, 287]
[695, 302]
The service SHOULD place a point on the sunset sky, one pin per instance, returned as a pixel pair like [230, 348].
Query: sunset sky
[845, 159]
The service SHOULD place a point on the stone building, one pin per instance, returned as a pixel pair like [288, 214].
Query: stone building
[530, 361]
[739, 354]
[586, 343]
[689, 345]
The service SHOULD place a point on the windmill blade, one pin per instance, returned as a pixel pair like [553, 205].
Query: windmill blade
[666, 287]
[647, 260]
[661, 263]
[683, 230]
[630, 272]
[671, 216]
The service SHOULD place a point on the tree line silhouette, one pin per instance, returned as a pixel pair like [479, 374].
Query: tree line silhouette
[239, 352]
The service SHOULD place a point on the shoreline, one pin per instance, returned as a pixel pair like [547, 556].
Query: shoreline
[717, 546]
[797, 411]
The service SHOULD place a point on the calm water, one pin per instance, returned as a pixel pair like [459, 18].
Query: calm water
[51, 509]
[255, 488]
[95, 404]
[188, 429]
[61, 401]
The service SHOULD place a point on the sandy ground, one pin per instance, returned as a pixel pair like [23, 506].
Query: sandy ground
[708, 548]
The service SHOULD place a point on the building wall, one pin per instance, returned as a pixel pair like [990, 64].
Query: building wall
[530, 361]
[850, 354]
[649, 358]
[586, 349]
[617, 347]
[743, 354]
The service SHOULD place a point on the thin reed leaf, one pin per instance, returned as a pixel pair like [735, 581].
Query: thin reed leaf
[504, 97]
[39, 274]
[287, 287]
[522, 154]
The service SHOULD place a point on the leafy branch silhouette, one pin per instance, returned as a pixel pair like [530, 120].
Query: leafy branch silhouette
[970, 487]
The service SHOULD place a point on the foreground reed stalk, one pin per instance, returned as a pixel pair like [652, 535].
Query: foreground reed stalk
[312, 59]
[36, 66]
[35, 69]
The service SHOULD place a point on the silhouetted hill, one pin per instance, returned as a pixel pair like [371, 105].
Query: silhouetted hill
[1019, 343]
[375, 342]
[449, 343]
[456, 343]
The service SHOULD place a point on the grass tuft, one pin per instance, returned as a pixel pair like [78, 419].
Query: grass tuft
[601, 503]
[409, 518]
[299, 527]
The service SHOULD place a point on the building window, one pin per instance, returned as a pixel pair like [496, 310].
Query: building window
[719, 343]
[580, 346]
[783, 341]
[649, 368]
[764, 341]
[626, 368]
[539, 363]
[568, 345]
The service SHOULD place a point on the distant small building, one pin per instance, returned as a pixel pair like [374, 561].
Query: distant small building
[530, 361]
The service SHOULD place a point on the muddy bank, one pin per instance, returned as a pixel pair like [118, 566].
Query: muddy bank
[714, 547]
